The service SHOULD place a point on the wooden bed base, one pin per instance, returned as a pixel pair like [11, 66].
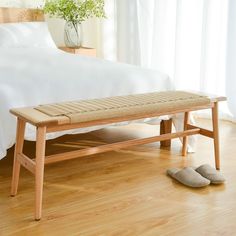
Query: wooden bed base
[15, 15]
[36, 166]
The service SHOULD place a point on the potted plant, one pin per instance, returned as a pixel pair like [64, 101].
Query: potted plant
[74, 12]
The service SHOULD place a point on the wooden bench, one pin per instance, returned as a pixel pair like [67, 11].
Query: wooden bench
[80, 114]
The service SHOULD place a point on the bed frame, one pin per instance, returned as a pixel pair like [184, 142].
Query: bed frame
[16, 15]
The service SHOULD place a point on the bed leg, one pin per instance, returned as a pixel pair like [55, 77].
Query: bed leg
[20, 134]
[39, 170]
[216, 135]
[166, 128]
[185, 139]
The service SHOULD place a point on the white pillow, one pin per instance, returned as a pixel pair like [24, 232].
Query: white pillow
[26, 35]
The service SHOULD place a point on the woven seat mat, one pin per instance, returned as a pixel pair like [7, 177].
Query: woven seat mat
[114, 107]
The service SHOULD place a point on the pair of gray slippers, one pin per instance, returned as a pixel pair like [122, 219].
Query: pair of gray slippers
[197, 177]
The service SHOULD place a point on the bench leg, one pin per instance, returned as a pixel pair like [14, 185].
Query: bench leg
[39, 170]
[20, 133]
[216, 135]
[185, 139]
[166, 128]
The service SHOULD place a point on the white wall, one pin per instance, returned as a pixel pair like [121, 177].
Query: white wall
[21, 3]
[56, 26]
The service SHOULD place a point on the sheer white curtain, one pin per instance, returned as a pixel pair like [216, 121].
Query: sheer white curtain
[231, 59]
[186, 39]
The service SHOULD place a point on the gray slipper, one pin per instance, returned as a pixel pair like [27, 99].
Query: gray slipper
[189, 177]
[210, 173]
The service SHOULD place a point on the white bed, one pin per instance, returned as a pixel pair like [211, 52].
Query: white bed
[33, 71]
[33, 76]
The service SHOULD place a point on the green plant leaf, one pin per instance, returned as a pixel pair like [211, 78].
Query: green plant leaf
[75, 11]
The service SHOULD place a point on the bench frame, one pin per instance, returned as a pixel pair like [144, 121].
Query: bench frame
[36, 166]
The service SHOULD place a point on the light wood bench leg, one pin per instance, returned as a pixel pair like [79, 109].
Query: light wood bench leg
[20, 133]
[216, 135]
[166, 128]
[185, 139]
[39, 170]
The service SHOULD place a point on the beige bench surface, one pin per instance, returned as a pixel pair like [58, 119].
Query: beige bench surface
[112, 107]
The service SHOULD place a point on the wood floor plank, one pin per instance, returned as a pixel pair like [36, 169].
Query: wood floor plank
[122, 192]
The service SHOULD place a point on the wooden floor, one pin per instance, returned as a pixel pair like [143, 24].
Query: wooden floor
[124, 192]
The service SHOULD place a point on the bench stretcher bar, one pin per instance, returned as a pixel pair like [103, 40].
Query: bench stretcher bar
[29, 164]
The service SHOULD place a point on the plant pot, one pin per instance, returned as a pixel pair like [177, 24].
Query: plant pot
[72, 35]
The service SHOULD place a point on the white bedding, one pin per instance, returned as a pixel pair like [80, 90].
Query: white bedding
[29, 77]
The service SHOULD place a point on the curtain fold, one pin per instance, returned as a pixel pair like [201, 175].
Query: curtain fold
[128, 30]
[231, 59]
[186, 39]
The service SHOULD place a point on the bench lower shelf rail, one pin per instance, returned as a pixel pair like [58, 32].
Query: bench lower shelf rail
[29, 164]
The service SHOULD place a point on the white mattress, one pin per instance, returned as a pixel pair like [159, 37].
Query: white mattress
[29, 77]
